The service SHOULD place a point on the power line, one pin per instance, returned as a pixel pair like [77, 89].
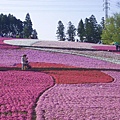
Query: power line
[51, 6]
[38, 7]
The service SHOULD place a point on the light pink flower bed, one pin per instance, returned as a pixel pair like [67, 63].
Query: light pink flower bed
[81, 101]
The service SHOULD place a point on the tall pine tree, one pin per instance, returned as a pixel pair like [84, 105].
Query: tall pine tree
[71, 31]
[27, 29]
[93, 30]
[81, 30]
[87, 30]
[60, 31]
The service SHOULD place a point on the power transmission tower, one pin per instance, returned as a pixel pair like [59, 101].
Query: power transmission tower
[106, 8]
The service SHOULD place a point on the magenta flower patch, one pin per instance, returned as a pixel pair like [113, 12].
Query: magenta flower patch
[104, 47]
[6, 46]
[19, 91]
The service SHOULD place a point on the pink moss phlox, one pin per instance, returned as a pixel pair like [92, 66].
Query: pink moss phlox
[19, 91]
[81, 101]
[6, 46]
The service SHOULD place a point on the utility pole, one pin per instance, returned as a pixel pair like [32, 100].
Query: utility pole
[106, 7]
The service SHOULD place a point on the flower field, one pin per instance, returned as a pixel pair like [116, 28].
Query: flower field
[19, 91]
[60, 86]
[81, 101]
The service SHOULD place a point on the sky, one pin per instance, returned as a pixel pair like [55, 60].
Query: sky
[45, 14]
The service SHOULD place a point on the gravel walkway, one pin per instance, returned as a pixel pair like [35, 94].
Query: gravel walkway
[21, 42]
[102, 55]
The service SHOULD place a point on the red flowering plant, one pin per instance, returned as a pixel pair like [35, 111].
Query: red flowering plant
[64, 74]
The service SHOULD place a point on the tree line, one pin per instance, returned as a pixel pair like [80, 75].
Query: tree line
[88, 31]
[10, 26]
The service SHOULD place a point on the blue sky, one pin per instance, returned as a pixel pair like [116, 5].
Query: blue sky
[45, 14]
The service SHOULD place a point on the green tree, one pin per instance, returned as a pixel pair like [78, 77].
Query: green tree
[19, 27]
[87, 30]
[10, 24]
[15, 25]
[81, 30]
[98, 32]
[4, 23]
[60, 31]
[11, 19]
[111, 33]
[27, 28]
[34, 34]
[103, 23]
[71, 31]
[93, 30]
